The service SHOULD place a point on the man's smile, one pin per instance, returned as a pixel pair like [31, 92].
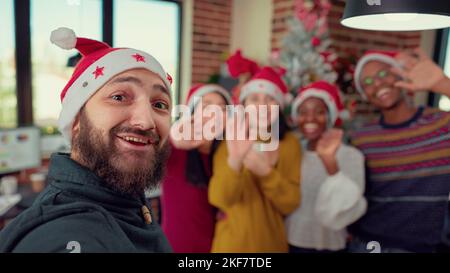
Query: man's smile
[137, 142]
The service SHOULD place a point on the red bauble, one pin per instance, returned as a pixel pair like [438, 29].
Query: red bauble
[315, 41]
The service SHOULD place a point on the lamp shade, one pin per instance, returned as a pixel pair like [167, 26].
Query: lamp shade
[397, 15]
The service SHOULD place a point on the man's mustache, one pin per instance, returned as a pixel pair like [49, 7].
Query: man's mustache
[154, 137]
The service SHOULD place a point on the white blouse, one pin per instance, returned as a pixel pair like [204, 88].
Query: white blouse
[328, 203]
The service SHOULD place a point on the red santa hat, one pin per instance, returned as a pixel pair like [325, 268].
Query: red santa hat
[99, 63]
[328, 93]
[387, 57]
[238, 65]
[199, 90]
[268, 81]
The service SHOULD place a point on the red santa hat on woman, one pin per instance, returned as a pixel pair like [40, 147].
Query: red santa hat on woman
[328, 93]
[268, 81]
[199, 90]
[99, 63]
[387, 57]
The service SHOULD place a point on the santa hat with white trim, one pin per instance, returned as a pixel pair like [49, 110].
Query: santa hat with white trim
[268, 81]
[387, 57]
[99, 63]
[199, 90]
[328, 93]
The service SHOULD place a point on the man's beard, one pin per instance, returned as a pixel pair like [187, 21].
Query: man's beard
[107, 162]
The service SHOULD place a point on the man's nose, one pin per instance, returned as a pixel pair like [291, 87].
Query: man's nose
[142, 116]
[377, 81]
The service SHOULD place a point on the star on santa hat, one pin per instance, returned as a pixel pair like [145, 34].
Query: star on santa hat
[139, 58]
[169, 78]
[96, 56]
[98, 72]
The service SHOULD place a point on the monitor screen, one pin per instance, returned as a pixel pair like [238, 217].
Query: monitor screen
[19, 149]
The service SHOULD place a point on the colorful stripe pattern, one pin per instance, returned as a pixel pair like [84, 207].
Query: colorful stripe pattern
[408, 183]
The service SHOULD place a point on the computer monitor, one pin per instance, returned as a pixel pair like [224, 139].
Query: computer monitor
[19, 149]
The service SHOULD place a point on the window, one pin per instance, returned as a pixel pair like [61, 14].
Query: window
[8, 98]
[50, 69]
[151, 26]
[444, 102]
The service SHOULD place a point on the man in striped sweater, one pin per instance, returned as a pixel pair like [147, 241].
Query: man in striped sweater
[407, 153]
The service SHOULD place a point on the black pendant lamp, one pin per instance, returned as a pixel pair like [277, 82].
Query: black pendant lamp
[397, 15]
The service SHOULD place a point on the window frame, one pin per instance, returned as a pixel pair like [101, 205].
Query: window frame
[441, 49]
[22, 22]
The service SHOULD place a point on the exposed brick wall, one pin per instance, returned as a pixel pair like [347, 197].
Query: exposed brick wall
[283, 10]
[361, 40]
[343, 38]
[358, 41]
[212, 27]
[210, 38]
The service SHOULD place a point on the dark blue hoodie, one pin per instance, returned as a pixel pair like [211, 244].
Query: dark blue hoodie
[77, 213]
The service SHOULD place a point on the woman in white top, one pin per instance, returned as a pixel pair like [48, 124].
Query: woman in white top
[333, 177]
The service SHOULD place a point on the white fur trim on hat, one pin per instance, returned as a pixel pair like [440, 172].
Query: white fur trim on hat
[64, 37]
[320, 94]
[86, 85]
[261, 86]
[206, 89]
[369, 58]
[345, 115]
[288, 98]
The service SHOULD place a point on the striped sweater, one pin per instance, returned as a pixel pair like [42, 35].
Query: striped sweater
[408, 181]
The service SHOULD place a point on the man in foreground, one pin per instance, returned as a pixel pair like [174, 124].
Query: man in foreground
[407, 153]
[116, 115]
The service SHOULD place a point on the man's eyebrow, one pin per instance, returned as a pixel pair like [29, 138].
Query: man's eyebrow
[130, 79]
[161, 88]
[386, 67]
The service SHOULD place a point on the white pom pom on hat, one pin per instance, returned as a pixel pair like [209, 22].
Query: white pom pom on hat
[64, 37]
[288, 98]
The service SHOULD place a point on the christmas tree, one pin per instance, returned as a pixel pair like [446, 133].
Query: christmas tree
[305, 50]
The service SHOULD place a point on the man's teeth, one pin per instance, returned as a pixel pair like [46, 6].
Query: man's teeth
[382, 92]
[135, 139]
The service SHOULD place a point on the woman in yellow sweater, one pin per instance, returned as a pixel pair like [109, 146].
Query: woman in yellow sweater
[254, 190]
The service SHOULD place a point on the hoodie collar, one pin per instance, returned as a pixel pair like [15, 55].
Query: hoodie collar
[68, 174]
[404, 124]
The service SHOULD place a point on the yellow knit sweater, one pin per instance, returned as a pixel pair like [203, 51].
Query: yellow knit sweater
[254, 206]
